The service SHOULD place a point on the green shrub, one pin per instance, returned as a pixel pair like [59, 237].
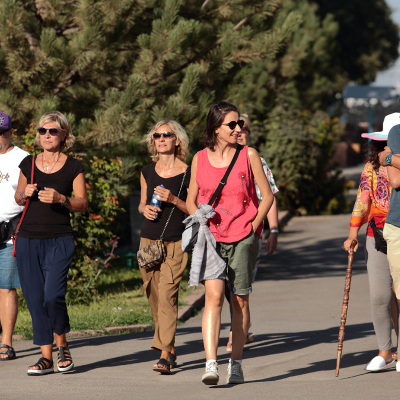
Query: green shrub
[299, 150]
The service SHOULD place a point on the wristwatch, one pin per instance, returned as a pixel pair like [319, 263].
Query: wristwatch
[65, 202]
[388, 159]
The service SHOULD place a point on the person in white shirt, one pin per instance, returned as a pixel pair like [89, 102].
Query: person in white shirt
[10, 212]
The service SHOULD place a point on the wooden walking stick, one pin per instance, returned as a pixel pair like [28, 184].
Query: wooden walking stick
[345, 305]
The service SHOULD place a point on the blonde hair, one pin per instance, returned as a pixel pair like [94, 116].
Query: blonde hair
[246, 120]
[181, 151]
[62, 123]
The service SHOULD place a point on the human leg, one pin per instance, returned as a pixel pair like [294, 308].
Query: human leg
[211, 326]
[8, 317]
[380, 287]
[391, 234]
[9, 281]
[211, 321]
[32, 283]
[240, 324]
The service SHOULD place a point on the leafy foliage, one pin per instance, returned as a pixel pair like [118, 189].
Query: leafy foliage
[95, 241]
[297, 149]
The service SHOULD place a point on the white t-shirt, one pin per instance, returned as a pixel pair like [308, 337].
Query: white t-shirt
[9, 174]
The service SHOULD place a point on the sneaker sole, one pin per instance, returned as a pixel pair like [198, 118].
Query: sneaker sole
[210, 379]
[235, 381]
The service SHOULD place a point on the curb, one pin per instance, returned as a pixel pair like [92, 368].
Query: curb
[195, 302]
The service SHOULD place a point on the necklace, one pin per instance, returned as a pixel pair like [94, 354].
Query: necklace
[46, 168]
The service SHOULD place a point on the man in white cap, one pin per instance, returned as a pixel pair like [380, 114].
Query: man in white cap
[391, 232]
[10, 158]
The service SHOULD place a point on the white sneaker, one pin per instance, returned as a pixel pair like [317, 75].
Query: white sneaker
[210, 377]
[235, 373]
[398, 366]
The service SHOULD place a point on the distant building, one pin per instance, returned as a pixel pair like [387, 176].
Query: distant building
[364, 108]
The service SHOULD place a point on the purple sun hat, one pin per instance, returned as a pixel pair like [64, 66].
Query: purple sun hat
[5, 122]
[389, 122]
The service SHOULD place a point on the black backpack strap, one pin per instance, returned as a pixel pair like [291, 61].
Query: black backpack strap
[225, 177]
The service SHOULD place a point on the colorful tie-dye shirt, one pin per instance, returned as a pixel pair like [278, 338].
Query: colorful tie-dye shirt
[373, 198]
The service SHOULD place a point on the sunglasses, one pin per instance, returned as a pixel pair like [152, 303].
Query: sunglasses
[52, 131]
[232, 124]
[163, 134]
[245, 130]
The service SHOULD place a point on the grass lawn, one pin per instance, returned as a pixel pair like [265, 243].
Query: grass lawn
[120, 302]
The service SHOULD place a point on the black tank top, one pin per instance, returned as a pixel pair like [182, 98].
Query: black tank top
[153, 229]
[43, 220]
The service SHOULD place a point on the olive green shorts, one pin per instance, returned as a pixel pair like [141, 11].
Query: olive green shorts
[240, 258]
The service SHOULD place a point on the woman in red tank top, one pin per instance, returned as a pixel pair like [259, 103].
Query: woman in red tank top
[236, 227]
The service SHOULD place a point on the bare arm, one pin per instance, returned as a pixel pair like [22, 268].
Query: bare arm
[193, 189]
[262, 183]
[148, 211]
[168, 197]
[78, 203]
[393, 169]
[352, 236]
[272, 216]
[26, 190]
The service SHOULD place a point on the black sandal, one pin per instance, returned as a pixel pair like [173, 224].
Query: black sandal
[172, 361]
[64, 356]
[10, 353]
[163, 371]
[45, 365]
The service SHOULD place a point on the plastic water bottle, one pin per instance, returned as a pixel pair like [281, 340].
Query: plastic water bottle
[156, 200]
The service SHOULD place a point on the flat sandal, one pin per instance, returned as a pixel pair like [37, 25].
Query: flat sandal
[64, 355]
[45, 365]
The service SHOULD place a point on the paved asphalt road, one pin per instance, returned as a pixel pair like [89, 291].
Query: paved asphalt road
[296, 306]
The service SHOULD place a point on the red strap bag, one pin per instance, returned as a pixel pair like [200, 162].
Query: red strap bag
[14, 235]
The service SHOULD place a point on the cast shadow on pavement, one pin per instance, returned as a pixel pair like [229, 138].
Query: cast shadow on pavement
[324, 258]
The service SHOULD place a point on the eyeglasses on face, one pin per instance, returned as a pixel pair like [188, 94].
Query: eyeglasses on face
[166, 135]
[245, 130]
[52, 131]
[232, 124]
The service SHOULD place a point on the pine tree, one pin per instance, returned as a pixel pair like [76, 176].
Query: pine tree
[115, 67]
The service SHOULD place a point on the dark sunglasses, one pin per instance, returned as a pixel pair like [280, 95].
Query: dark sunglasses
[232, 124]
[52, 131]
[164, 134]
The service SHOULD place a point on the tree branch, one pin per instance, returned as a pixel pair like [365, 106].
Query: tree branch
[201, 53]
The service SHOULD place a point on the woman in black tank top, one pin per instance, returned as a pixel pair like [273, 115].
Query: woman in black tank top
[168, 178]
[45, 245]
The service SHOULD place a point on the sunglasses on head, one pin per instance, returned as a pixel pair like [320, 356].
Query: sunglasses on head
[52, 131]
[164, 134]
[232, 124]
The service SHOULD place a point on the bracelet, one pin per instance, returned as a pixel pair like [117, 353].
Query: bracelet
[274, 231]
[20, 197]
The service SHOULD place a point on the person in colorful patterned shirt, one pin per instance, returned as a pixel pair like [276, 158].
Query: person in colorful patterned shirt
[372, 204]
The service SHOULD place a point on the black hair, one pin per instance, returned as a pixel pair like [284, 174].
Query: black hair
[215, 117]
[372, 149]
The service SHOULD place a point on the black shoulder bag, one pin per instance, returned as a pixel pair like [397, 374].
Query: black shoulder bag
[191, 232]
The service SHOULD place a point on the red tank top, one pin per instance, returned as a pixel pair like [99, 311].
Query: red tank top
[236, 205]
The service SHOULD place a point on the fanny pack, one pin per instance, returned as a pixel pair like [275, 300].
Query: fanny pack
[8, 227]
[380, 242]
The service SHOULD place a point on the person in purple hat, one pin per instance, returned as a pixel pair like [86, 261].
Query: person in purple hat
[10, 213]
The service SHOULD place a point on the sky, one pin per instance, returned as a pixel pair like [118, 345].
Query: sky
[391, 77]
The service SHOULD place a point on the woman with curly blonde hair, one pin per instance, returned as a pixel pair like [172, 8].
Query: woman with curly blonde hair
[45, 243]
[168, 177]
